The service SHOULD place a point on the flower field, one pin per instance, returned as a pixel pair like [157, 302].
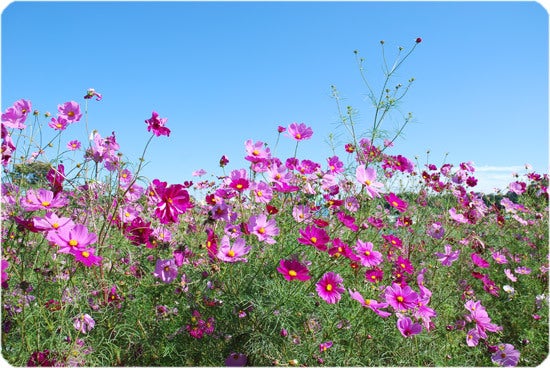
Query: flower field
[285, 262]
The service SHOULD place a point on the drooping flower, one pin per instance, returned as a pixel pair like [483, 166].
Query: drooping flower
[324, 346]
[330, 288]
[367, 177]
[407, 328]
[396, 202]
[372, 304]
[479, 261]
[84, 323]
[166, 270]
[299, 132]
[292, 269]
[401, 298]
[156, 125]
[92, 93]
[70, 111]
[448, 257]
[506, 355]
[228, 252]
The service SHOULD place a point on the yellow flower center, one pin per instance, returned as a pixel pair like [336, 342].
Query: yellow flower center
[367, 301]
[329, 287]
[255, 152]
[58, 125]
[400, 299]
[298, 136]
[367, 253]
[45, 203]
[395, 204]
[231, 253]
[239, 186]
[313, 239]
[292, 273]
[259, 193]
[368, 182]
[70, 113]
[55, 225]
[85, 254]
[261, 230]
[73, 243]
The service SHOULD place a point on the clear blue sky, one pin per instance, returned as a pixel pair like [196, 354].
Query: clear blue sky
[226, 72]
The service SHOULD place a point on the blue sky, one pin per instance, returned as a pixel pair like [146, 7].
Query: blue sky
[225, 72]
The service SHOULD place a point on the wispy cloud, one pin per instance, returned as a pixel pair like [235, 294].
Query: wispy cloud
[493, 177]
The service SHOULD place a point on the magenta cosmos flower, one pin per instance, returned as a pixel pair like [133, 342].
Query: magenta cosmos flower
[292, 269]
[69, 111]
[299, 132]
[448, 257]
[506, 355]
[15, 116]
[329, 288]
[87, 257]
[401, 298]
[166, 270]
[367, 177]
[407, 328]
[42, 199]
[372, 304]
[174, 200]
[396, 202]
[156, 125]
[228, 252]
[315, 236]
[59, 123]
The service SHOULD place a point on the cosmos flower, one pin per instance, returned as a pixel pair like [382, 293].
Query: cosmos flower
[299, 132]
[448, 257]
[407, 328]
[401, 298]
[292, 269]
[166, 270]
[367, 256]
[396, 202]
[156, 124]
[231, 253]
[70, 111]
[506, 355]
[83, 323]
[329, 288]
[367, 177]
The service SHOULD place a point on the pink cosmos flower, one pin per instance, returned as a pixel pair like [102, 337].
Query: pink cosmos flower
[506, 355]
[393, 240]
[59, 123]
[510, 275]
[315, 236]
[301, 213]
[15, 116]
[238, 180]
[472, 337]
[329, 288]
[407, 328]
[436, 230]
[74, 145]
[499, 257]
[174, 200]
[340, 248]
[367, 256]
[401, 298]
[448, 257]
[479, 315]
[517, 187]
[77, 238]
[299, 132]
[231, 253]
[263, 228]
[347, 220]
[372, 304]
[367, 177]
[522, 270]
[87, 257]
[42, 199]
[70, 111]
[5, 277]
[52, 222]
[458, 217]
[166, 270]
[256, 151]
[292, 269]
[335, 166]
[478, 261]
[156, 125]
[395, 202]
[83, 323]
[404, 265]
[262, 192]
[374, 275]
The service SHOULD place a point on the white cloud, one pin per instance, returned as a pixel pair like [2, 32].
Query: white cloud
[491, 177]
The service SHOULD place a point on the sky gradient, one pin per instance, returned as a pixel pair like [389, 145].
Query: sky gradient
[225, 72]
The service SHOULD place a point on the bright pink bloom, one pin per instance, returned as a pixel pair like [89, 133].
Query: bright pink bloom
[329, 288]
[347, 220]
[472, 337]
[335, 166]
[510, 275]
[5, 277]
[74, 145]
[52, 222]
[499, 257]
[15, 116]
[70, 111]
[366, 254]
[372, 304]
[517, 187]
[401, 298]
[340, 248]
[42, 199]
[299, 132]
[367, 177]
[228, 252]
[407, 328]
[174, 200]
[77, 238]
[396, 202]
[292, 269]
[263, 228]
[458, 217]
[374, 275]
[324, 346]
[262, 192]
[478, 261]
[156, 125]
[59, 123]
[87, 257]
[238, 180]
[404, 265]
[256, 151]
[393, 240]
[315, 236]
